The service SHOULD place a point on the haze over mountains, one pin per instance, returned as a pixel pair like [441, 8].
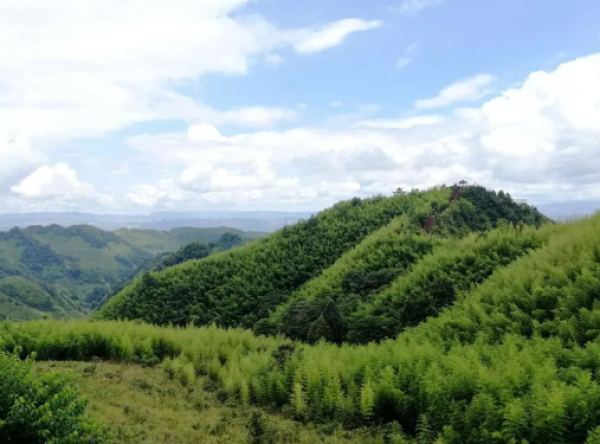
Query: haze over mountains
[265, 221]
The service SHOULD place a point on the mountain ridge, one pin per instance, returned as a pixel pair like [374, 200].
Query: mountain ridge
[241, 287]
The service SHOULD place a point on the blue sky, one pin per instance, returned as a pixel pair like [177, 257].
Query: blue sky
[133, 106]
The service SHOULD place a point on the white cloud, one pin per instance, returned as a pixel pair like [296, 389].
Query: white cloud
[413, 7]
[401, 124]
[204, 132]
[203, 183]
[57, 182]
[467, 90]
[311, 41]
[16, 155]
[79, 69]
[539, 139]
[336, 103]
[256, 116]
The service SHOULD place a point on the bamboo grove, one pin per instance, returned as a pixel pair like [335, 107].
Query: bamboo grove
[246, 285]
[514, 359]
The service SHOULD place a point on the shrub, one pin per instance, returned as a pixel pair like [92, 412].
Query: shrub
[46, 408]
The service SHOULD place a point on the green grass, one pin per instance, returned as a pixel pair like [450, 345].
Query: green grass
[141, 405]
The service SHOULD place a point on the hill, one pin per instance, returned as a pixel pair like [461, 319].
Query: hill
[512, 358]
[155, 241]
[393, 280]
[77, 267]
[242, 287]
[192, 251]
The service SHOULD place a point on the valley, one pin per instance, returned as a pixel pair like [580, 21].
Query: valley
[67, 272]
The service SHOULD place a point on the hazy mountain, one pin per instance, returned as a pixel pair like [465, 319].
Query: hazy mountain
[570, 210]
[247, 221]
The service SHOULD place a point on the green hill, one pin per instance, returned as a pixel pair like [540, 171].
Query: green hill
[155, 241]
[513, 357]
[396, 278]
[77, 267]
[244, 286]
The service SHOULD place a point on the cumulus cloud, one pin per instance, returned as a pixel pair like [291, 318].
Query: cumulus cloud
[57, 182]
[202, 183]
[311, 41]
[204, 132]
[539, 139]
[69, 69]
[82, 69]
[467, 90]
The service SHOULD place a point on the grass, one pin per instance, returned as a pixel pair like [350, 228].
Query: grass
[141, 405]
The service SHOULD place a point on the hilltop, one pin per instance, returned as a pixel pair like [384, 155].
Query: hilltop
[247, 285]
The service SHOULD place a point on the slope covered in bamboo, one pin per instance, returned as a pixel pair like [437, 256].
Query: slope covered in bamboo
[514, 359]
[245, 285]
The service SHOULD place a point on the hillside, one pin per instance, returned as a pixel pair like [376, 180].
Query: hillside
[192, 251]
[155, 241]
[395, 279]
[77, 267]
[511, 359]
[244, 286]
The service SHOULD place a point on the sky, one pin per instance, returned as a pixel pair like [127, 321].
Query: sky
[133, 106]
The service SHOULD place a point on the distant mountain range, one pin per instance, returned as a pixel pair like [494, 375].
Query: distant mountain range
[570, 210]
[265, 221]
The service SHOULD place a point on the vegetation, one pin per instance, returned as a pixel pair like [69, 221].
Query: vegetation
[142, 405]
[41, 408]
[191, 251]
[513, 359]
[367, 328]
[65, 272]
[156, 242]
[26, 292]
[242, 287]
[440, 278]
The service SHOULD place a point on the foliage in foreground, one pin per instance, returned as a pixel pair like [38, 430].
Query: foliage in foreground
[140, 404]
[41, 409]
